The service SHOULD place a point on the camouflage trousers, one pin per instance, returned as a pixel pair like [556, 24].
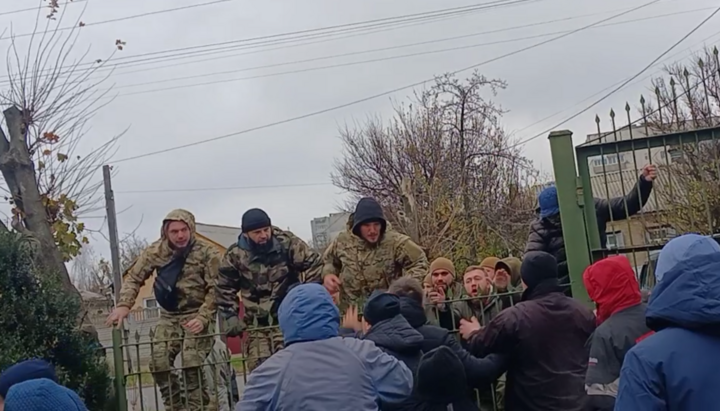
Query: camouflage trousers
[486, 401]
[260, 345]
[171, 339]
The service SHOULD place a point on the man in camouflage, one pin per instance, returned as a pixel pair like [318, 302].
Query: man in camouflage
[369, 256]
[262, 265]
[186, 274]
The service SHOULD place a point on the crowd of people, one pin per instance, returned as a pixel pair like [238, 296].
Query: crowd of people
[372, 324]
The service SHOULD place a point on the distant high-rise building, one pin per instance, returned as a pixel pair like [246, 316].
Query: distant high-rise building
[325, 229]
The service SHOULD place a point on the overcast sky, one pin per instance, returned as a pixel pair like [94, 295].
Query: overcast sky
[160, 112]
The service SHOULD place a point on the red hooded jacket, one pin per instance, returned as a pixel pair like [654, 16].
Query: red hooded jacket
[611, 283]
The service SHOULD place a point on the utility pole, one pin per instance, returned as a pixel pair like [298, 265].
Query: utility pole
[113, 231]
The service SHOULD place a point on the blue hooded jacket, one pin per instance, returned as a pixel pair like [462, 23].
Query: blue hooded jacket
[317, 369]
[676, 368]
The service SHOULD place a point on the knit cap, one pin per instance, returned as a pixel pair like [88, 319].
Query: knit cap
[442, 263]
[25, 371]
[489, 262]
[42, 395]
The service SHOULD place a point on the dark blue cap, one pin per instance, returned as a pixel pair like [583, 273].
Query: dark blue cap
[25, 371]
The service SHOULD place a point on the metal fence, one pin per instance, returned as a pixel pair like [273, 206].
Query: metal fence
[224, 375]
[678, 131]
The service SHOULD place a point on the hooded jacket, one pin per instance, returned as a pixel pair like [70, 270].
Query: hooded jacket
[513, 294]
[42, 395]
[676, 368]
[441, 382]
[363, 267]
[546, 230]
[544, 336]
[195, 286]
[24, 371]
[317, 370]
[263, 278]
[620, 314]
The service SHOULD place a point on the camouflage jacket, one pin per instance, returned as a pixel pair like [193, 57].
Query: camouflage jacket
[363, 268]
[264, 279]
[196, 285]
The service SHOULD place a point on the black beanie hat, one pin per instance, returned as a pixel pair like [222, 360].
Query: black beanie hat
[254, 219]
[538, 266]
[440, 377]
[381, 306]
[368, 210]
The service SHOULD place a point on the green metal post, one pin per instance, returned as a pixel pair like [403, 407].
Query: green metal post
[570, 199]
[119, 363]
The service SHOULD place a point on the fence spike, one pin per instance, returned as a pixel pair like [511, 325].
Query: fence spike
[642, 99]
[151, 334]
[627, 106]
[715, 50]
[701, 63]
[137, 336]
[597, 119]
[672, 81]
[612, 113]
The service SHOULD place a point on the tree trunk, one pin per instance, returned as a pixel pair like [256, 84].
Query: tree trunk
[18, 171]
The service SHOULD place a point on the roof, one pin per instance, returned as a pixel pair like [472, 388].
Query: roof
[221, 235]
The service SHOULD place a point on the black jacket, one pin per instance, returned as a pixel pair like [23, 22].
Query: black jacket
[480, 372]
[544, 337]
[546, 233]
[397, 338]
[440, 381]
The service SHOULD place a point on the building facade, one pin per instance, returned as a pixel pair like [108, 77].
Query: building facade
[325, 229]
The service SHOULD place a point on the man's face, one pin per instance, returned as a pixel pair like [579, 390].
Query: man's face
[370, 232]
[260, 236]
[501, 278]
[476, 283]
[178, 233]
[427, 288]
[441, 278]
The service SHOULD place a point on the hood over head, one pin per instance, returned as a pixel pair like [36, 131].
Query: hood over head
[179, 215]
[381, 306]
[611, 283]
[24, 371]
[548, 200]
[538, 267]
[307, 313]
[687, 294]
[511, 265]
[368, 210]
[413, 312]
[42, 395]
[441, 377]
[395, 334]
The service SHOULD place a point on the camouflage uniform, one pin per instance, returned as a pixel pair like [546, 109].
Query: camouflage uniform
[263, 280]
[195, 290]
[363, 267]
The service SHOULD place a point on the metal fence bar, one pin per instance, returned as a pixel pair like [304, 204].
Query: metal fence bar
[119, 365]
[571, 210]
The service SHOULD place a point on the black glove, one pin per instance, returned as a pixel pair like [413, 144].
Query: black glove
[234, 326]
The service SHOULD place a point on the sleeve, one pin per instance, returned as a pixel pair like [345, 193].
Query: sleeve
[479, 371]
[331, 264]
[535, 241]
[228, 284]
[261, 389]
[640, 386]
[134, 278]
[306, 261]
[413, 260]
[616, 207]
[601, 381]
[208, 308]
[393, 380]
[499, 336]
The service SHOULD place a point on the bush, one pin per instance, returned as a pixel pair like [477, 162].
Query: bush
[39, 320]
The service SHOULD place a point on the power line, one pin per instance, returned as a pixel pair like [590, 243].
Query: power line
[355, 102]
[115, 20]
[619, 82]
[402, 56]
[182, 190]
[5, 13]
[279, 38]
[626, 82]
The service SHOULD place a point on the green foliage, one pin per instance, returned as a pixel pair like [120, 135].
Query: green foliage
[38, 320]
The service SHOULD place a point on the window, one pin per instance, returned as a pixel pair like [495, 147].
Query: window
[150, 303]
[615, 240]
[659, 235]
[608, 160]
[675, 155]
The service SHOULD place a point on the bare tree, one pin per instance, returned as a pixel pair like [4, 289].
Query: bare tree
[93, 273]
[445, 171]
[687, 97]
[49, 97]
